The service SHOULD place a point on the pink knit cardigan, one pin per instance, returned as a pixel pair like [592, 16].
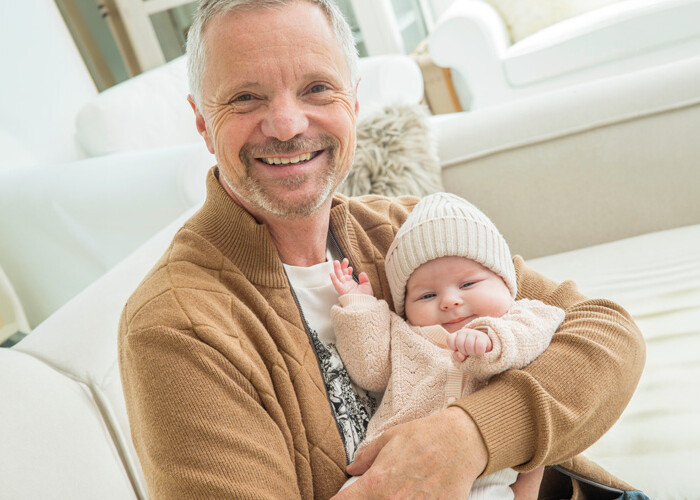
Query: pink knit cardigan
[413, 366]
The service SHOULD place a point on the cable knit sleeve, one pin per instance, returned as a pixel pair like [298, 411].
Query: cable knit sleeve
[518, 337]
[362, 328]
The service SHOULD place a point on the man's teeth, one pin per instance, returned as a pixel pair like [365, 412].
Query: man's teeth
[287, 161]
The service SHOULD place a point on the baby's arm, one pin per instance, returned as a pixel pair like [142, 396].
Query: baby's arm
[362, 329]
[518, 337]
[344, 283]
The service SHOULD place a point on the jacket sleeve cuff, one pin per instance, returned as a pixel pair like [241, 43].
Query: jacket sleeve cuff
[495, 408]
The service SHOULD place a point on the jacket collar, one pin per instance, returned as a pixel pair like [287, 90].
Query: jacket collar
[247, 243]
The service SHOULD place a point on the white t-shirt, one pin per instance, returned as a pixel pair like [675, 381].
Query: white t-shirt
[351, 405]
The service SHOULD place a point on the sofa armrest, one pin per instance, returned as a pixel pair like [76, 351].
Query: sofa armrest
[471, 39]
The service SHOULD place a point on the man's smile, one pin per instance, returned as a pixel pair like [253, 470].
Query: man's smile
[302, 158]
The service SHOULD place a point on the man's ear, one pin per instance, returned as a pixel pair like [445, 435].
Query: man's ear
[201, 125]
[357, 101]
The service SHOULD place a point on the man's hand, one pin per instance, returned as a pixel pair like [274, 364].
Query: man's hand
[468, 342]
[343, 282]
[438, 456]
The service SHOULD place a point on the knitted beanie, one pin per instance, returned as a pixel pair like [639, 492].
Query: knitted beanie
[442, 225]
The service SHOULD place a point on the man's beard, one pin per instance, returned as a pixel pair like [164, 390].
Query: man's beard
[260, 191]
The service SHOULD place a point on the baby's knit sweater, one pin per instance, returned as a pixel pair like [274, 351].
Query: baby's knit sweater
[413, 365]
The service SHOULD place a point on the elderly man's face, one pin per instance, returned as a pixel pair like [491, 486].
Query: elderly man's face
[278, 108]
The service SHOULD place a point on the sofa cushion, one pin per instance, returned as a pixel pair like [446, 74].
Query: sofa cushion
[655, 446]
[54, 441]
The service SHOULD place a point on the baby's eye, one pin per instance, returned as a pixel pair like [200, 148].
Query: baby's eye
[426, 296]
[467, 284]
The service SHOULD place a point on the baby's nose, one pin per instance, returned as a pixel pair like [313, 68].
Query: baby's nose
[450, 302]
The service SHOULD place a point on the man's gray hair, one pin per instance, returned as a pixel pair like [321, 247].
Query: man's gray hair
[209, 9]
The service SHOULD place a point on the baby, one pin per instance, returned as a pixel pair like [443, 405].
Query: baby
[450, 272]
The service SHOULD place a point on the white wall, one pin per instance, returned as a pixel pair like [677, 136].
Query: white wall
[44, 82]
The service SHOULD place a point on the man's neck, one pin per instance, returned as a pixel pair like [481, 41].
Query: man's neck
[300, 242]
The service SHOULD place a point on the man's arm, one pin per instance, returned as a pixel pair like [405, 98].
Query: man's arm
[564, 401]
[200, 427]
[550, 411]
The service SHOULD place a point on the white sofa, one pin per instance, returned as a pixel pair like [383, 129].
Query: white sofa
[472, 39]
[557, 172]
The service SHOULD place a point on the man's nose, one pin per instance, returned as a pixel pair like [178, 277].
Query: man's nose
[285, 119]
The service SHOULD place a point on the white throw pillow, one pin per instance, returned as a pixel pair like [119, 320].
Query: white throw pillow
[525, 17]
[145, 112]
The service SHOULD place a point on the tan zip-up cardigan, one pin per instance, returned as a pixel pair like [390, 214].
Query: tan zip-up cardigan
[224, 392]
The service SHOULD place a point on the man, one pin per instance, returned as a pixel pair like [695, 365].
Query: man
[232, 388]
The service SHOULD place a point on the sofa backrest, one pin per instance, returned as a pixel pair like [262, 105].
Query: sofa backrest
[582, 165]
[80, 219]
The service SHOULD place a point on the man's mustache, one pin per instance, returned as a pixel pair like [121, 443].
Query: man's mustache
[274, 147]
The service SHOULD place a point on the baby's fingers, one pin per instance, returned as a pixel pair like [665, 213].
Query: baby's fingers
[336, 283]
[340, 269]
[451, 341]
[482, 344]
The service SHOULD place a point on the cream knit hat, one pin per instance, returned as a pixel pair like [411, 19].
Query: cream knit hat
[442, 225]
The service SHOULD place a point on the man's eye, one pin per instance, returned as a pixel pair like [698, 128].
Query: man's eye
[318, 88]
[243, 98]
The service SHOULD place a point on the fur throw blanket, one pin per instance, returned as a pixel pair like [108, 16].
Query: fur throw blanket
[396, 155]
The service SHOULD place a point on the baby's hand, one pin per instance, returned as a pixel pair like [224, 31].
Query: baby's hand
[344, 283]
[468, 342]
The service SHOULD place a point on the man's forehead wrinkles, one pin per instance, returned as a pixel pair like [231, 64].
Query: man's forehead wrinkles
[313, 47]
[252, 68]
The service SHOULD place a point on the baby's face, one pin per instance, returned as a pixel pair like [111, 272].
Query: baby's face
[452, 291]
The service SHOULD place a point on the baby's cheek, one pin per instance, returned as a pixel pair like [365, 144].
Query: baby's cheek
[500, 305]
[413, 314]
